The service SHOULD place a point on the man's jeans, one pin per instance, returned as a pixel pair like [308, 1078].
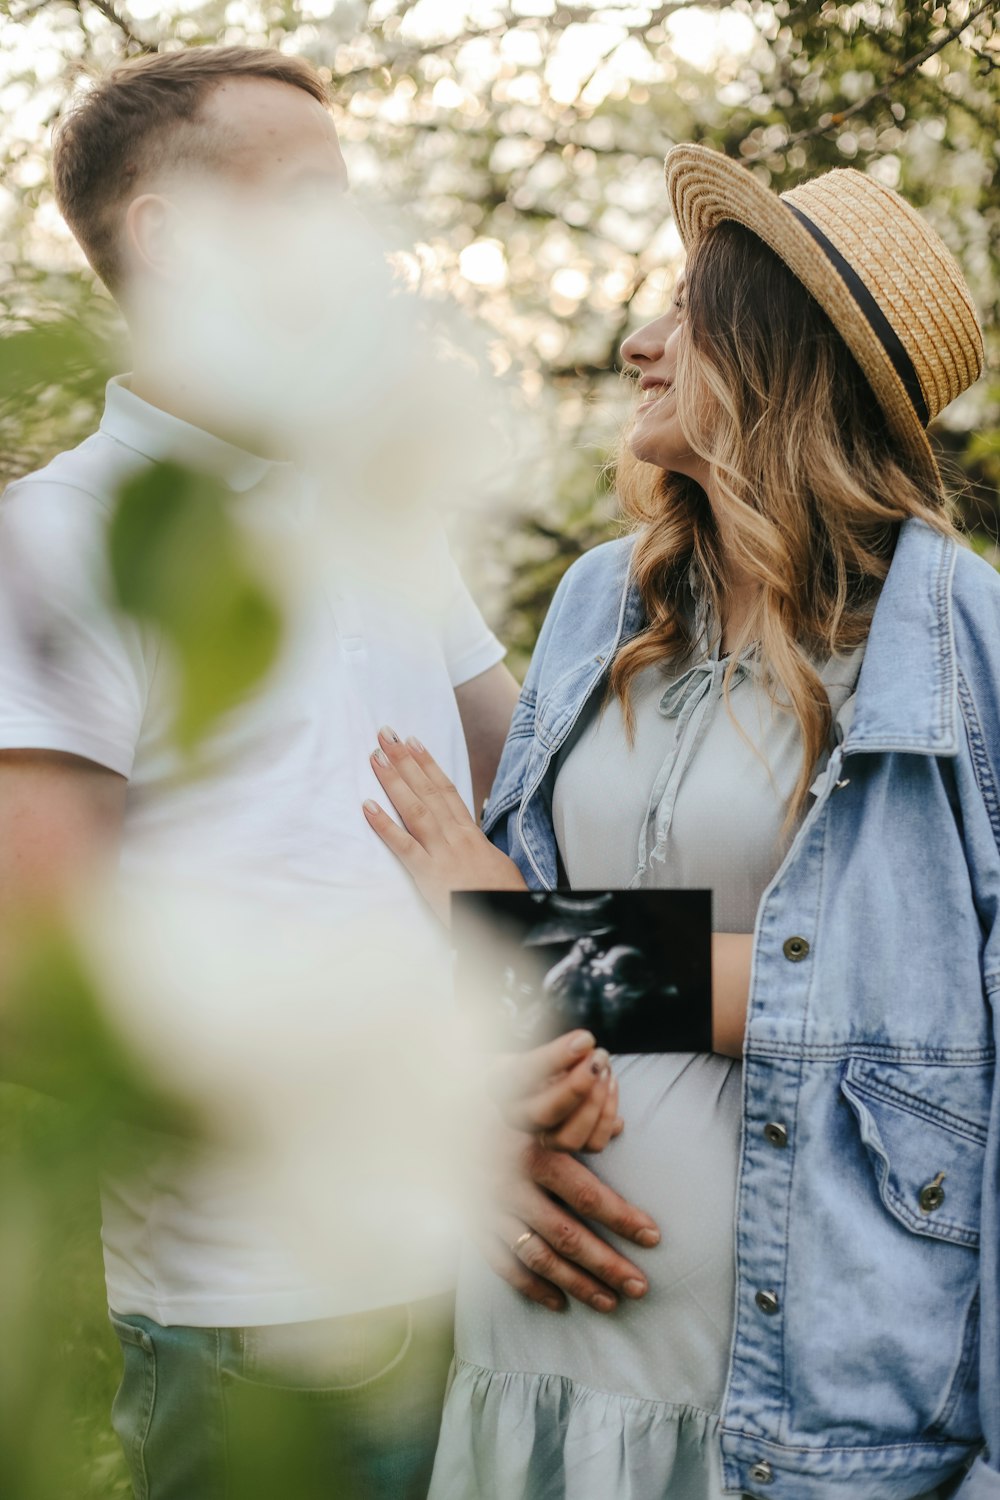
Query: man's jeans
[343, 1409]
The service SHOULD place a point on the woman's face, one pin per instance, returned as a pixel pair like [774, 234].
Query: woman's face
[656, 437]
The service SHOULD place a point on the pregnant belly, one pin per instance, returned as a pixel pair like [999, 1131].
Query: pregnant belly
[677, 1158]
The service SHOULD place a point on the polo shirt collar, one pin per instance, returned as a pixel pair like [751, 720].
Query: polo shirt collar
[158, 435]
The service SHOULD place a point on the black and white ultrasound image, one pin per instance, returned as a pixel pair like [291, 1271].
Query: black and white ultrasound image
[633, 967]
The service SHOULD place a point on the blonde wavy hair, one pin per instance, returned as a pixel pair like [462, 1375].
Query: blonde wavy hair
[809, 487]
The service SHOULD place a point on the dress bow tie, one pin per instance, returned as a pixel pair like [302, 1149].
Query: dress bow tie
[692, 685]
[693, 696]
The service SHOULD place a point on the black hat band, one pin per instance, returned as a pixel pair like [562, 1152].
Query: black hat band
[876, 318]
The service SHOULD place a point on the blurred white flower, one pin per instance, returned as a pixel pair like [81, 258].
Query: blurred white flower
[310, 347]
[328, 1060]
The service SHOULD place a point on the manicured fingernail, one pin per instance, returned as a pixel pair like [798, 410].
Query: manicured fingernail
[372, 808]
[648, 1238]
[553, 1303]
[389, 734]
[618, 1126]
[581, 1043]
[600, 1062]
[634, 1287]
[602, 1303]
[381, 757]
[415, 744]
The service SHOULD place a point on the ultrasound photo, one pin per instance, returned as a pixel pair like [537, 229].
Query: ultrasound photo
[633, 967]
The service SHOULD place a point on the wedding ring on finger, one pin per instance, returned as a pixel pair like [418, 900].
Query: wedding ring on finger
[522, 1239]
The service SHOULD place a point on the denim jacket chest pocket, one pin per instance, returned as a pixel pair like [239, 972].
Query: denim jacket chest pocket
[540, 725]
[560, 704]
[928, 1160]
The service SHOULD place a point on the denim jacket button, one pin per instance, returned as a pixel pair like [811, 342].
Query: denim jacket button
[776, 1133]
[932, 1196]
[767, 1302]
[795, 949]
[762, 1473]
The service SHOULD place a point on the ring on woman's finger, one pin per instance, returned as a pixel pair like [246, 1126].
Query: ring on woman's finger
[522, 1239]
[545, 1141]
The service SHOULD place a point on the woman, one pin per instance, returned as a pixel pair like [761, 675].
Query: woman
[785, 686]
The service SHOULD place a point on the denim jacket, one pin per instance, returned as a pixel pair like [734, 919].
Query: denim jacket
[865, 1360]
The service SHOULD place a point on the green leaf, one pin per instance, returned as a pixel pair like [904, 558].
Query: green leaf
[46, 354]
[59, 1041]
[177, 563]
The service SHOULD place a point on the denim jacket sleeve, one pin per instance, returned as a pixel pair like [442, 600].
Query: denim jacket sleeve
[509, 781]
[977, 635]
[591, 610]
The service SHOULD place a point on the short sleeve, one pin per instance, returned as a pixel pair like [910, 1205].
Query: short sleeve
[74, 674]
[470, 647]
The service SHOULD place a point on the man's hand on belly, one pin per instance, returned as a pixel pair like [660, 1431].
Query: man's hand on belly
[535, 1238]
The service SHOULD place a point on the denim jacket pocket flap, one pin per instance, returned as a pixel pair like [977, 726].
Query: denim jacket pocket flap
[559, 706]
[928, 1161]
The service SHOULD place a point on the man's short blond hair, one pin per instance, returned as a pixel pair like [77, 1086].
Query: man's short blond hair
[140, 118]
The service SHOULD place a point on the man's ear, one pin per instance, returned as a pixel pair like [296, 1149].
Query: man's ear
[151, 230]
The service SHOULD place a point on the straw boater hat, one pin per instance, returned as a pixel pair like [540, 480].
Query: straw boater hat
[885, 279]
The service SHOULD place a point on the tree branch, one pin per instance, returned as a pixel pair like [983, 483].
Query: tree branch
[111, 13]
[657, 13]
[835, 120]
[409, 52]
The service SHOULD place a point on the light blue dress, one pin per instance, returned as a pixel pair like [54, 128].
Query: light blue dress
[585, 1406]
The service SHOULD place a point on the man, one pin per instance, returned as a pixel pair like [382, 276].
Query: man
[204, 1297]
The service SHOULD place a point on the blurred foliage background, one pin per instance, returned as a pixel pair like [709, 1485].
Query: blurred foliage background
[514, 157]
[513, 154]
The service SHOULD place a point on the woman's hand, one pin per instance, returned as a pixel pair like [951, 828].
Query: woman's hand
[542, 1222]
[564, 1093]
[440, 844]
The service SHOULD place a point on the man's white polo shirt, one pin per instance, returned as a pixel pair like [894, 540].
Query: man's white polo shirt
[280, 817]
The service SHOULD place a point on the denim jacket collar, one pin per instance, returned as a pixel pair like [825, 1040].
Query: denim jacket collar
[907, 693]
